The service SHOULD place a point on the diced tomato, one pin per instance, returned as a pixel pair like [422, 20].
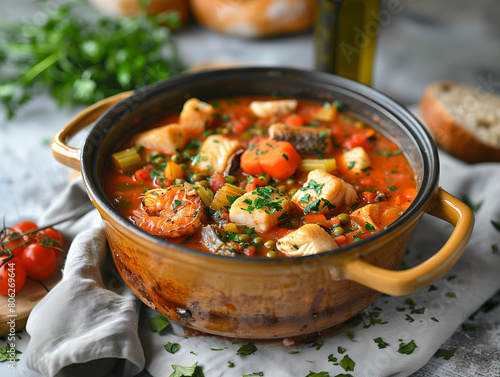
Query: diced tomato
[294, 120]
[216, 182]
[357, 140]
[250, 251]
[240, 125]
[143, 175]
[369, 197]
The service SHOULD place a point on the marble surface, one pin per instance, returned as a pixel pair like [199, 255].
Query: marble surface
[423, 42]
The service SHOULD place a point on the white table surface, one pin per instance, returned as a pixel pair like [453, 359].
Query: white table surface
[424, 42]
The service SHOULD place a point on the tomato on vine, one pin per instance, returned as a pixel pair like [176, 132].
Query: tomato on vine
[12, 275]
[40, 261]
[51, 238]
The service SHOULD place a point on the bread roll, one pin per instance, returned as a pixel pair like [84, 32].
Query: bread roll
[465, 121]
[132, 7]
[255, 18]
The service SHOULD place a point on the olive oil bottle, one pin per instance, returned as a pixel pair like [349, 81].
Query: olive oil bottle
[345, 36]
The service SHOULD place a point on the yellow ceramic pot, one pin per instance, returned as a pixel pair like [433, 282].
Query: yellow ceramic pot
[257, 297]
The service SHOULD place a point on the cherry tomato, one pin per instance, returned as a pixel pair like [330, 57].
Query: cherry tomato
[20, 228]
[51, 237]
[40, 261]
[12, 276]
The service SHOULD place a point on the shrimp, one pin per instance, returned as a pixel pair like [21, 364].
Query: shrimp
[173, 212]
[195, 116]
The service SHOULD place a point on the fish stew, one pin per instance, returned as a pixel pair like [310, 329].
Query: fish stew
[261, 177]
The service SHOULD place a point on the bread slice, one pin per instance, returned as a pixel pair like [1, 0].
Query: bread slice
[465, 121]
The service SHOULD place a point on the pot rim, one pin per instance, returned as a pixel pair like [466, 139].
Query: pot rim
[430, 166]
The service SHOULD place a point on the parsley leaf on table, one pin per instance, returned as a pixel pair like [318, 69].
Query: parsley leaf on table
[82, 60]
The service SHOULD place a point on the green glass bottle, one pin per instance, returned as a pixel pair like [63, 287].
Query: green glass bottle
[345, 35]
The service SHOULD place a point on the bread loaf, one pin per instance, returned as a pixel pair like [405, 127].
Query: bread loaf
[254, 18]
[465, 121]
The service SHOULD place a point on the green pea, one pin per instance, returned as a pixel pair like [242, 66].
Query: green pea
[198, 177]
[344, 218]
[272, 254]
[231, 227]
[282, 188]
[265, 178]
[177, 158]
[338, 231]
[290, 181]
[293, 191]
[270, 244]
[231, 178]
[258, 241]
[204, 183]
[179, 181]
[294, 222]
[245, 238]
[226, 131]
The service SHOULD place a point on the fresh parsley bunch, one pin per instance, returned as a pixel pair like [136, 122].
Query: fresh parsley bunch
[81, 60]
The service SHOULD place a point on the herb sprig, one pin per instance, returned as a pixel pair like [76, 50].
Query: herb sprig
[82, 60]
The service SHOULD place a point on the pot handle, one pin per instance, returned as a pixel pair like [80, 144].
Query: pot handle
[70, 156]
[399, 283]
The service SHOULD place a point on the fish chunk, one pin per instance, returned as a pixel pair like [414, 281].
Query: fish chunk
[356, 159]
[306, 140]
[166, 139]
[264, 109]
[260, 209]
[211, 239]
[369, 214]
[323, 192]
[195, 116]
[307, 240]
[216, 151]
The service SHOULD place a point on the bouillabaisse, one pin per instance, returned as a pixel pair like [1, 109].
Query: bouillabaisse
[261, 177]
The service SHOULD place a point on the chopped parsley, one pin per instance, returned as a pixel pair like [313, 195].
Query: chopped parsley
[172, 347]
[192, 371]
[351, 164]
[380, 342]
[5, 353]
[388, 154]
[187, 239]
[341, 349]
[350, 335]
[418, 311]
[408, 348]
[446, 354]
[254, 374]
[284, 156]
[247, 349]
[496, 224]
[158, 323]
[409, 318]
[347, 363]
[369, 227]
[312, 185]
[230, 364]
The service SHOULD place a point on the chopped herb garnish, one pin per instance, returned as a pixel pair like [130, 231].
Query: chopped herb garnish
[387, 154]
[283, 216]
[446, 354]
[340, 349]
[408, 348]
[494, 248]
[192, 371]
[351, 164]
[313, 206]
[418, 311]
[172, 347]
[369, 227]
[392, 188]
[293, 352]
[469, 327]
[158, 323]
[230, 364]
[354, 206]
[187, 239]
[305, 198]
[7, 351]
[473, 206]
[350, 335]
[284, 156]
[312, 185]
[381, 344]
[435, 319]
[318, 344]
[217, 349]
[409, 318]
[451, 294]
[332, 358]
[247, 349]
[347, 363]
[496, 224]
[256, 374]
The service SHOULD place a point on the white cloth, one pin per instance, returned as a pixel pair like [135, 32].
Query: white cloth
[81, 320]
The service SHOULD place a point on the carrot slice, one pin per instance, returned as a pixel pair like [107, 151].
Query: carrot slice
[279, 159]
[314, 218]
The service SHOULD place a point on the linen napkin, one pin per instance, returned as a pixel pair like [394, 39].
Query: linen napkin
[84, 322]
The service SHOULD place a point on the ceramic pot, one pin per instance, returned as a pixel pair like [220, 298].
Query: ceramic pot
[258, 297]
